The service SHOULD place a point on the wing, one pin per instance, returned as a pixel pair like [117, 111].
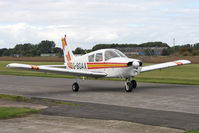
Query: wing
[52, 69]
[165, 65]
[64, 66]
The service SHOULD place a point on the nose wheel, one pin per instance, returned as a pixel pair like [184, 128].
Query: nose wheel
[130, 85]
[75, 87]
[134, 84]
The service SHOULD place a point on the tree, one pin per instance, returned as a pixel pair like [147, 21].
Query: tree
[46, 46]
[7, 52]
[26, 49]
[2, 51]
[154, 44]
[58, 51]
[196, 46]
[79, 50]
[188, 51]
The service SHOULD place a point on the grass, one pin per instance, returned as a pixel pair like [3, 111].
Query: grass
[6, 71]
[26, 99]
[10, 112]
[187, 74]
[14, 98]
[194, 131]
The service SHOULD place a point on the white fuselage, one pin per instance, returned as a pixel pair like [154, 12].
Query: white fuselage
[121, 67]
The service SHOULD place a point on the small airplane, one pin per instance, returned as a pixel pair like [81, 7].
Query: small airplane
[98, 64]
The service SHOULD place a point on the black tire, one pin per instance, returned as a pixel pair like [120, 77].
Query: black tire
[134, 84]
[128, 87]
[75, 87]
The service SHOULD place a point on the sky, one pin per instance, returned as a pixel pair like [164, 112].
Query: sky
[90, 22]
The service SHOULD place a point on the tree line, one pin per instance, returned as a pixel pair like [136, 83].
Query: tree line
[79, 50]
[180, 50]
[29, 49]
[47, 46]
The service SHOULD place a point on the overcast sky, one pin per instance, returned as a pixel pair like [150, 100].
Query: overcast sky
[87, 22]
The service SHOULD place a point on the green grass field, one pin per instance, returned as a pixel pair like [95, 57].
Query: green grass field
[187, 74]
[32, 100]
[6, 71]
[195, 131]
[10, 112]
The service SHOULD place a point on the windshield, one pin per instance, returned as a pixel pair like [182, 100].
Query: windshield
[120, 53]
[110, 54]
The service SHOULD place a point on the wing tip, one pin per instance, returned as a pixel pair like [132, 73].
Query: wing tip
[184, 61]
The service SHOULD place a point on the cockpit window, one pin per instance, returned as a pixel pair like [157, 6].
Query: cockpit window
[98, 57]
[110, 54]
[120, 53]
[91, 58]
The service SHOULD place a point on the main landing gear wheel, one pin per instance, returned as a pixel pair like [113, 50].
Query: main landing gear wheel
[129, 86]
[75, 87]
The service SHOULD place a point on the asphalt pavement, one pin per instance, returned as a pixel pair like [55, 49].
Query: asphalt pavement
[165, 105]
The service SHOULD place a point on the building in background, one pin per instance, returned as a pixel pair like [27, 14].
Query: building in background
[131, 51]
[48, 55]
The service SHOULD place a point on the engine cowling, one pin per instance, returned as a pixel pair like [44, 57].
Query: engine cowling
[135, 64]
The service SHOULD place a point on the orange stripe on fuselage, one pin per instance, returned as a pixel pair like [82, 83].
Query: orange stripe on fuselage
[105, 65]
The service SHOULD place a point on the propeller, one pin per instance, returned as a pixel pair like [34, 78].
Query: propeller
[135, 64]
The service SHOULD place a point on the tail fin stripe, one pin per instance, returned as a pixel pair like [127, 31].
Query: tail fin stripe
[68, 57]
[68, 54]
[63, 43]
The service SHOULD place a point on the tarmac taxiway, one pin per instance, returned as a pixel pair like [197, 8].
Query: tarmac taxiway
[167, 105]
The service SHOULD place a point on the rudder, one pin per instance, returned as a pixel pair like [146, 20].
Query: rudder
[68, 55]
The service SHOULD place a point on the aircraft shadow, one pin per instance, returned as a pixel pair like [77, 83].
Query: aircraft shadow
[108, 89]
[88, 88]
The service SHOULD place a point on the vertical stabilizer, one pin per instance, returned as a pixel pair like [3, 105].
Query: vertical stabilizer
[68, 54]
